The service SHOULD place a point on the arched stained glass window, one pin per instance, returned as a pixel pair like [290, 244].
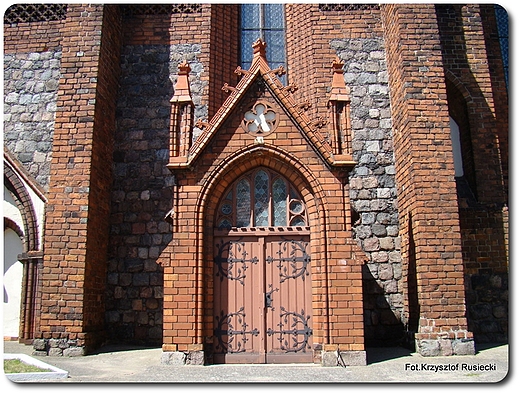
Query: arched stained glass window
[280, 202]
[261, 198]
[242, 202]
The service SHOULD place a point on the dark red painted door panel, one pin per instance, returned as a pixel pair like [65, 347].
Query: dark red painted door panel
[262, 293]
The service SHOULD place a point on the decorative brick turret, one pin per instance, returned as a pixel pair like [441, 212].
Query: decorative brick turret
[181, 124]
[339, 107]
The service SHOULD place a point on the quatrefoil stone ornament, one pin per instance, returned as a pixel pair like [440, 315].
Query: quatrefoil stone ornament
[260, 120]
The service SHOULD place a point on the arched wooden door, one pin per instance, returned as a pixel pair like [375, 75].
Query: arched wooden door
[262, 284]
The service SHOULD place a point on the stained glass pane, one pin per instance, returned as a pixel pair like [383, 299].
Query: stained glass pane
[261, 199]
[275, 50]
[266, 21]
[247, 40]
[224, 223]
[250, 16]
[273, 16]
[502, 21]
[296, 206]
[226, 209]
[297, 221]
[243, 203]
[280, 202]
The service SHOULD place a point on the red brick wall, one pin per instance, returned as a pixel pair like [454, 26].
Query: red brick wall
[223, 52]
[310, 55]
[424, 166]
[32, 36]
[486, 96]
[101, 179]
[481, 95]
[74, 273]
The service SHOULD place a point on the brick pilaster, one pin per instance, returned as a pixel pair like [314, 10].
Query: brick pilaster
[425, 177]
[74, 273]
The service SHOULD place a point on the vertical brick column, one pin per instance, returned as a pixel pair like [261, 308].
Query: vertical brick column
[473, 60]
[182, 342]
[223, 52]
[425, 178]
[74, 267]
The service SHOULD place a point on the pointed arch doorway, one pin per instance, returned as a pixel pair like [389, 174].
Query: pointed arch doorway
[262, 284]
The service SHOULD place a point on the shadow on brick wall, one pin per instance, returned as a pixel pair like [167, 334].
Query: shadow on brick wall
[483, 190]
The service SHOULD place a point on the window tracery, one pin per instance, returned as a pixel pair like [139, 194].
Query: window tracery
[261, 198]
[260, 120]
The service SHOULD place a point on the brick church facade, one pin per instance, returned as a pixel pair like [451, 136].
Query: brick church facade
[256, 183]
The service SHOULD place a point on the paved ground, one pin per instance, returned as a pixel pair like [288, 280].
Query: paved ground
[112, 365]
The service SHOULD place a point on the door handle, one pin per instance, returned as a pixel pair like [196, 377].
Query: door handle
[268, 300]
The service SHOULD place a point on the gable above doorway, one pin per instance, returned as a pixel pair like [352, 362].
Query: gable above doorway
[261, 118]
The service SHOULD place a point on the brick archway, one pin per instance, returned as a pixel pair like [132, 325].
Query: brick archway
[308, 187]
[25, 206]
[31, 256]
[261, 262]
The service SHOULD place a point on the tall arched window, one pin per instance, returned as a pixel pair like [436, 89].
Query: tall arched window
[462, 144]
[503, 36]
[457, 150]
[261, 198]
[265, 21]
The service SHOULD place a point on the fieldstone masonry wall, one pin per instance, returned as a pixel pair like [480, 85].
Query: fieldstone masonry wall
[31, 83]
[142, 189]
[488, 303]
[189, 53]
[372, 185]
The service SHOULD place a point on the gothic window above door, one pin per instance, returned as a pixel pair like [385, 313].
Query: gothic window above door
[261, 198]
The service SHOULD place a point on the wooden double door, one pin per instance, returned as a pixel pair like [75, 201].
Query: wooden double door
[262, 299]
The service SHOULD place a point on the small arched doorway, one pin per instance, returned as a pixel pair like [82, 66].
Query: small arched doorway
[262, 284]
[13, 276]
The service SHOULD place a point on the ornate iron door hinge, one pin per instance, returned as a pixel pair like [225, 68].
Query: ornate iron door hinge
[239, 260]
[294, 332]
[298, 259]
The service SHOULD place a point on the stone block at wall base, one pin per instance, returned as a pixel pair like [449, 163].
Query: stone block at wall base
[173, 358]
[57, 348]
[180, 358]
[195, 357]
[349, 358]
[74, 352]
[445, 347]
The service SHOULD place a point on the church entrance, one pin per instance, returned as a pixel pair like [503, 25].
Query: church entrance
[262, 281]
